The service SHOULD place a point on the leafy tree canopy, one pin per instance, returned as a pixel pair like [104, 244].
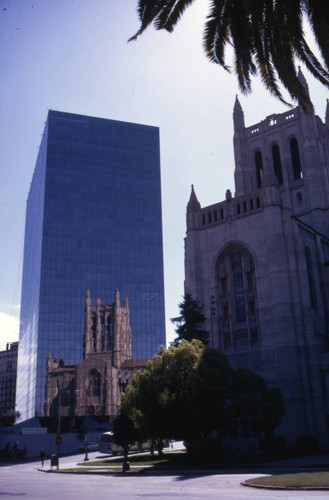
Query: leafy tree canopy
[189, 390]
[188, 324]
[124, 431]
[9, 418]
[267, 37]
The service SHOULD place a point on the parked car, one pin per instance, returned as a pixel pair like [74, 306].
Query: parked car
[107, 446]
[90, 447]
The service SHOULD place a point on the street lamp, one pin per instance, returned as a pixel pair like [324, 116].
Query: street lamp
[212, 314]
[59, 412]
[86, 459]
[58, 438]
[60, 391]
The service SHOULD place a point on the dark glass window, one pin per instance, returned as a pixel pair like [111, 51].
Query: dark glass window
[310, 276]
[277, 163]
[296, 165]
[259, 167]
[94, 383]
[238, 287]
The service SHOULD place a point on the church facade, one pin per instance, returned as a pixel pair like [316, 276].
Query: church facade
[94, 386]
[258, 262]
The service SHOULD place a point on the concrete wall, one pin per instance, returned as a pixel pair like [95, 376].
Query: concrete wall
[34, 442]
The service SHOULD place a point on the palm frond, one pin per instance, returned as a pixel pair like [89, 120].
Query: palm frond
[171, 13]
[283, 56]
[263, 56]
[164, 14]
[242, 40]
[312, 63]
[266, 35]
[148, 10]
[317, 12]
[216, 33]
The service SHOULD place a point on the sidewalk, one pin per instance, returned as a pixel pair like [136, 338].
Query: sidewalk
[292, 465]
[319, 462]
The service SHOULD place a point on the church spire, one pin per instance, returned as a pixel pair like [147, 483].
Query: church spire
[327, 114]
[88, 325]
[238, 116]
[303, 81]
[88, 299]
[117, 298]
[193, 211]
[193, 203]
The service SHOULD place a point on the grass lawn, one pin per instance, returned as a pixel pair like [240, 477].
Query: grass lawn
[139, 461]
[170, 460]
[300, 480]
[144, 459]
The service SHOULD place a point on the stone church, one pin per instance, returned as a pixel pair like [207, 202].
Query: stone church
[94, 386]
[258, 262]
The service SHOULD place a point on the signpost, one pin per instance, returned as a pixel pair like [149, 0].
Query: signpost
[58, 440]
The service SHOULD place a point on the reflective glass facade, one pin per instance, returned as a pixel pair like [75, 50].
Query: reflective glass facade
[93, 222]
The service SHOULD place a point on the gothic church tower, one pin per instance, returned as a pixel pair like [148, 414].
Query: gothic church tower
[258, 262]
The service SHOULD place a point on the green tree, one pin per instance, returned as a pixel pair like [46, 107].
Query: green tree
[188, 324]
[155, 396]
[254, 407]
[267, 37]
[9, 418]
[189, 390]
[125, 433]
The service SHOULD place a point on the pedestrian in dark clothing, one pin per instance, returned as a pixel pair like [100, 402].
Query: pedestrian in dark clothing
[42, 456]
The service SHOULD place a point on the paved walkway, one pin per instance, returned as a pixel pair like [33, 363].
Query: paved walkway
[297, 464]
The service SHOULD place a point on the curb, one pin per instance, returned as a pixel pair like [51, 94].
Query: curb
[282, 488]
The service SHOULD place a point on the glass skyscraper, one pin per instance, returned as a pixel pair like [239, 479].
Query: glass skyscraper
[93, 221]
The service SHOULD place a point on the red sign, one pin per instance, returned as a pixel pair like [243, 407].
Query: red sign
[58, 440]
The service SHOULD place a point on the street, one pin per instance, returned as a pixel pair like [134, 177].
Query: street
[24, 480]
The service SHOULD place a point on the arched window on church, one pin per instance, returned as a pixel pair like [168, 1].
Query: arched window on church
[277, 163]
[296, 165]
[310, 277]
[94, 383]
[259, 168]
[236, 291]
[93, 332]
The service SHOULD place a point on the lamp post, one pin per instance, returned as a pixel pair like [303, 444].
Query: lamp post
[59, 412]
[59, 440]
[86, 435]
[86, 459]
[212, 314]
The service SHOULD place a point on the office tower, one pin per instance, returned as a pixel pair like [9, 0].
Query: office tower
[93, 222]
[8, 373]
[258, 263]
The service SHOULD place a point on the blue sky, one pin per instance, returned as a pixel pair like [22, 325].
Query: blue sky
[73, 55]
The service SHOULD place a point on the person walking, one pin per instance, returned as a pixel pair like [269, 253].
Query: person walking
[42, 456]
